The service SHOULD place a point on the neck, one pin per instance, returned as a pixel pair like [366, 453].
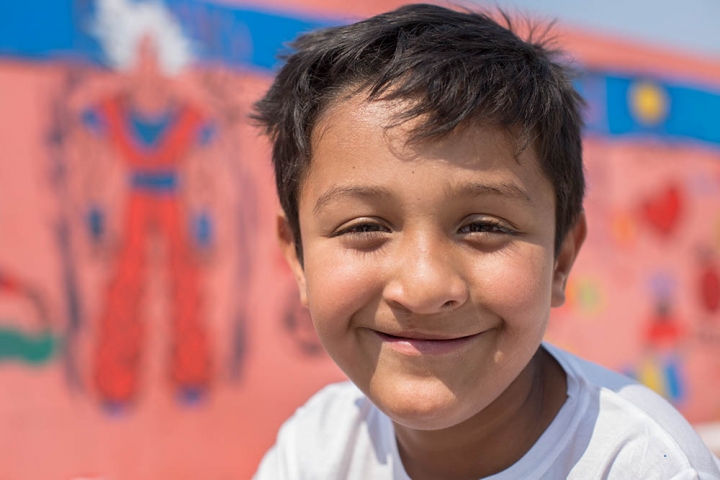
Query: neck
[495, 438]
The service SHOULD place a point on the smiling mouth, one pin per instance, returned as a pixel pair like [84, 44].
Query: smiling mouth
[425, 346]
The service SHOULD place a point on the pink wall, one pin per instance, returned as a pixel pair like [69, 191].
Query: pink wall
[183, 366]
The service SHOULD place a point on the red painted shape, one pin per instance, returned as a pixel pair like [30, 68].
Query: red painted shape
[662, 211]
[9, 284]
[710, 288]
[663, 332]
[121, 324]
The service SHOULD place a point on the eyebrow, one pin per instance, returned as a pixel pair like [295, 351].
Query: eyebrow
[483, 189]
[340, 192]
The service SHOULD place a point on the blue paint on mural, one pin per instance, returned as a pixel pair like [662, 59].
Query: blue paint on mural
[235, 36]
[692, 113]
[664, 110]
[238, 36]
[38, 29]
[242, 37]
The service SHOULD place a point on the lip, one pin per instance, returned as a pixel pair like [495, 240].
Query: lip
[414, 346]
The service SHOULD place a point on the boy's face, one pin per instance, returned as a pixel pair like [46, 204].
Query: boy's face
[429, 270]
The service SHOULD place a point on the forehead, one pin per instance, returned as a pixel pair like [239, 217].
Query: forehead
[360, 141]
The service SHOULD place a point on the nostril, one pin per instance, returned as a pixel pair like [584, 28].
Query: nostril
[450, 304]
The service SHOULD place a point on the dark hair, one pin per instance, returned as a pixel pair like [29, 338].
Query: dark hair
[456, 68]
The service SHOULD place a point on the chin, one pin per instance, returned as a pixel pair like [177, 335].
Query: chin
[422, 405]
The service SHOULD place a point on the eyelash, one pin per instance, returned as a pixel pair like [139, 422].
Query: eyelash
[372, 229]
[488, 226]
[361, 230]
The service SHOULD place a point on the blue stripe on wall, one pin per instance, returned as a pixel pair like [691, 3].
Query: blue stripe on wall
[58, 30]
[691, 113]
[39, 29]
[683, 112]
[241, 37]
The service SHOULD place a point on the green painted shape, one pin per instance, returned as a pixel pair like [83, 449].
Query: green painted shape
[33, 349]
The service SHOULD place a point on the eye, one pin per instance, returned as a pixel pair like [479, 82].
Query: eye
[487, 226]
[363, 235]
[361, 229]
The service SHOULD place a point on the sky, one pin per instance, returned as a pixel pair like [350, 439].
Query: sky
[687, 25]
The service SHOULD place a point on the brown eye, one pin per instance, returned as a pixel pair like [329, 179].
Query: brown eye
[363, 236]
[486, 226]
[362, 229]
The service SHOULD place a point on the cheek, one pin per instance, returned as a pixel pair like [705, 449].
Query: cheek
[338, 287]
[517, 287]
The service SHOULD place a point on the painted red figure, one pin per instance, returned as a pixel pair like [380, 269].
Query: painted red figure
[663, 332]
[153, 206]
[153, 132]
[664, 336]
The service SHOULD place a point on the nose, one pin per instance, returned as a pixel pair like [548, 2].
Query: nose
[427, 277]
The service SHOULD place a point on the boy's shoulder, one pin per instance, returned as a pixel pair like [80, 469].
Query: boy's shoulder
[623, 425]
[620, 396]
[337, 433]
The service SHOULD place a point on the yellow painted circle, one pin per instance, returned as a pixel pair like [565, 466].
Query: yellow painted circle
[649, 103]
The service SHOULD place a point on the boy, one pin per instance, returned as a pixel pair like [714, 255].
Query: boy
[428, 163]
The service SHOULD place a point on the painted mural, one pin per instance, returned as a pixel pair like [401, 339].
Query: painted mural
[149, 328]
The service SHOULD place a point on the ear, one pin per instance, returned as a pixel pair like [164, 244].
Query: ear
[565, 259]
[287, 245]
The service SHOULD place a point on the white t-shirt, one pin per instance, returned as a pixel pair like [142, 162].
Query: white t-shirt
[609, 428]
